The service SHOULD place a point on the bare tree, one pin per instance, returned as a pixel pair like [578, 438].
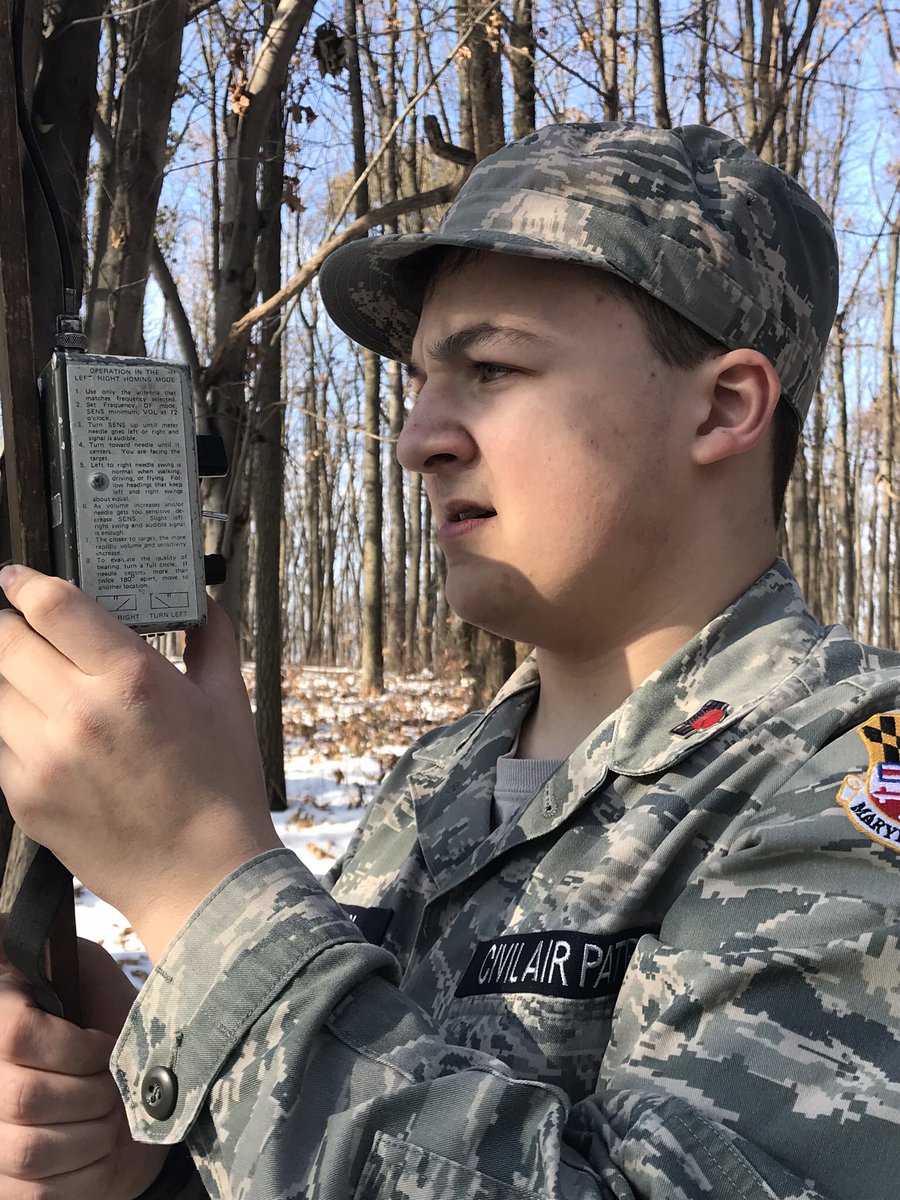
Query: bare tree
[151, 36]
[268, 490]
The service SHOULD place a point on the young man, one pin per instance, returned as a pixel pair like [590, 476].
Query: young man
[630, 932]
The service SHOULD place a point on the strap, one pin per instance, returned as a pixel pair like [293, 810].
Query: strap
[46, 885]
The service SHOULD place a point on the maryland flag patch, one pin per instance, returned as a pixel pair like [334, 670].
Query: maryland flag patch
[873, 802]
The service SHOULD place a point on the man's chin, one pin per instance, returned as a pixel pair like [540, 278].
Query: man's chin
[502, 616]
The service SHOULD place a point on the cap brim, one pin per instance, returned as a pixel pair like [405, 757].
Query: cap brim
[373, 289]
[372, 293]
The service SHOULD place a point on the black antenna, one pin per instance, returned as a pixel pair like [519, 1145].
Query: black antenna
[69, 335]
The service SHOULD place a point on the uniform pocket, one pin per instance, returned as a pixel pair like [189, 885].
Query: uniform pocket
[396, 1170]
[560, 1042]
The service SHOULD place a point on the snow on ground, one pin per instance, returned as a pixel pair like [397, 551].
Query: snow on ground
[338, 747]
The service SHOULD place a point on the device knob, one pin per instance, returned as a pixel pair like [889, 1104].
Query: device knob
[214, 568]
[212, 461]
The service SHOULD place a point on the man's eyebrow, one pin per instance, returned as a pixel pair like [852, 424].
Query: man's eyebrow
[473, 335]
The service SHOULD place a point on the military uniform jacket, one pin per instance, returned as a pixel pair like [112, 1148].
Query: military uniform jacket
[675, 975]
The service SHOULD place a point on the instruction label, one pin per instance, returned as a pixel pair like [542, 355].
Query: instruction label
[136, 490]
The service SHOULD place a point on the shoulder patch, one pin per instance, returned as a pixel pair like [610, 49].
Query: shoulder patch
[872, 802]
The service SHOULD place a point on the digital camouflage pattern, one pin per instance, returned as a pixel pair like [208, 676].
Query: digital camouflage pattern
[676, 975]
[690, 215]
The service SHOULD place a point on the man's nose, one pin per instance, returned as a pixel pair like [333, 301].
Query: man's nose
[434, 435]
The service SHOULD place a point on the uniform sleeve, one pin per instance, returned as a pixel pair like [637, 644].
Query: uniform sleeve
[754, 1051]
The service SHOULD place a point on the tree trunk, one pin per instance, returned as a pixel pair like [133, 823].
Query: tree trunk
[312, 506]
[845, 494]
[611, 107]
[521, 57]
[396, 622]
[464, 71]
[269, 479]
[413, 569]
[65, 97]
[748, 58]
[426, 593]
[106, 175]
[658, 64]
[702, 61]
[153, 40]
[372, 666]
[798, 517]
[815, 592]
[486, 86]
[886, 406]
[254, 92]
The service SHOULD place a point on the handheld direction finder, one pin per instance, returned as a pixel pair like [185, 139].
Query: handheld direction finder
[124, 482]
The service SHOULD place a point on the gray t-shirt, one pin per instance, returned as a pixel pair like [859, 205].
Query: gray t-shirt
[517, 781]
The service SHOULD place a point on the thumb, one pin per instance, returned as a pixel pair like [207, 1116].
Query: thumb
[212, 659]
[107, 994]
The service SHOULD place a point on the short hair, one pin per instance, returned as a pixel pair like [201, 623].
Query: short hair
[678, 342]
[682, 344]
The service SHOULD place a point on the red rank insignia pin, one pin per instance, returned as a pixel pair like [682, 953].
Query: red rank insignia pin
[712, 712]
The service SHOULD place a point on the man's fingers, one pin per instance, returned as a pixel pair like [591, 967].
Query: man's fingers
[106, 992]
[14, 782]
[69, 620]
[23, 726]
[30, 666]
[40, 1152]
[30, 1097]
[27, 729]
[30, 1037]
[211, 655]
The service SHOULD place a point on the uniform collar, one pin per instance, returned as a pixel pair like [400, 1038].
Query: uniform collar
[721, 674]
[452, 780]
[737, 659]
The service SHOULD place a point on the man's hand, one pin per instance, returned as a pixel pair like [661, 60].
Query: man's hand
[63, 1132]
[145, 782]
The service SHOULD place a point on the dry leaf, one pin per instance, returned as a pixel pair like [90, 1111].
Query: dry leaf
[299, 821]
[240, 101]
[326, 851]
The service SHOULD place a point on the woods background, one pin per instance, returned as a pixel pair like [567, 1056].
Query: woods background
[208, 155]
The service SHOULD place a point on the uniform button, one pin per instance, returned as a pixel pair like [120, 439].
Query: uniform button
[159, 1092]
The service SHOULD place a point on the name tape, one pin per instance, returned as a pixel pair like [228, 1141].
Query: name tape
[576, 966]
[372, 923]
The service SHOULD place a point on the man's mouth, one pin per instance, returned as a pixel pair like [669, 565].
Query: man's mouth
[464, 517]
[472, 514]
[465, 509]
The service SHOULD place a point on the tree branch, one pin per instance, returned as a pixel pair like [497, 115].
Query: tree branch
[440, 147]
[241, 328]
[762, 133]
[411, 104]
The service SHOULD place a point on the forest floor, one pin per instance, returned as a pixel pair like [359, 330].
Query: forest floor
[338, 747]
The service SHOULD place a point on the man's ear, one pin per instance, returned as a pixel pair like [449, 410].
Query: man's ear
[741, 390]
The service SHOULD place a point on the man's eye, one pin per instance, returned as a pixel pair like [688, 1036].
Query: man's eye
[491, 372]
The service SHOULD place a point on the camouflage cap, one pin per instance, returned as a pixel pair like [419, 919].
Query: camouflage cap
[689, 215]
